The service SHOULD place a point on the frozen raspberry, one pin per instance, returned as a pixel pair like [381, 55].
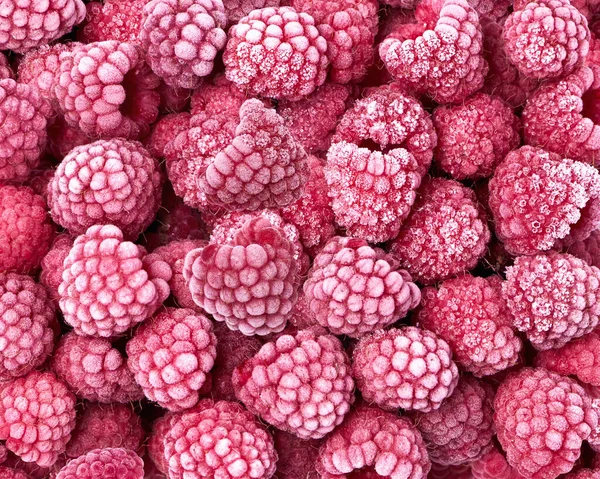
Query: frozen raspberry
[320, 9]
[94, 370]
[588, 250]
[5, 69]
[354, 289]
[491, 9]
[584, 474]
[541, 420]
[109, 284]
[408, 368]
[402, 3]
[10, 473]
[493, 465]
[166, 130]
[372, 443]
[218, 96]
[194, 444]
[52, 265]
[297, 457]
[123, 100]
[546, 38]
[107, 463]
[277, 53]
[156, 444]
[101, 426]
[112, 20]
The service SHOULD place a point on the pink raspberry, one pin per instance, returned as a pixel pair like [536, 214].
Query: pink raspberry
[218, 96]
[492, 9]
[107, 463]
[123, 101]
[237, 9]
[156, 444]
[297, 457]
[5, 69]
[588, 250]
[354, 289]
[52, 265]
[408, 368]
[193, 445]
[375, 444]
[493, 465]
[277, 53]
[584, 474]
[94, 370]
[443, 57]
[109, 284]
[320, 9]
[25, 227]
[462, 429]
[541, 420]
[166, 130]
[112, 20]
[546, 38]
[9, 473]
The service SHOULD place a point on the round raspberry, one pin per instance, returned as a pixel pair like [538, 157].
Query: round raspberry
[101, 426]
[375, 444]
[297, 457]
[219, 439]
[166, 130]
[588, 250]
[52, 265]
[320, 9]
[541, 420]
[9, 473]
[156, 441]
[123, 100]
[108, 463]
[94, 370]
[354, 289]
[112, 20]
[110, 285]
[493, 465]
[277, 53]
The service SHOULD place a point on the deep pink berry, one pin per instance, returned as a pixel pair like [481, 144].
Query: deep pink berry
[297, 457]
[155, 443]
[52, 265]
[10, 473]
[588, 249]
[107, 463]
[493, 465]
[5, 69]
[218, 96]
[112, 20]
[320, 9]
[442, 471]
[166, 130]
[584, 474]
[62, 137]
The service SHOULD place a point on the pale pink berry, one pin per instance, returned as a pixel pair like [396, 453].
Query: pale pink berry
[106, 463]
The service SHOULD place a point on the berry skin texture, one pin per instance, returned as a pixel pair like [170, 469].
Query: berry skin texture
[553, 298]
[353, 289]
[52, 265]
[106, 182]
[408, 368]
[374, 443]
[546, 38]
[298, 383]
[493, 465]
[194, 441]
[110, 285]
[107, 463]
[276, 53]
[541, 420]
[123, 101]
[112, 20]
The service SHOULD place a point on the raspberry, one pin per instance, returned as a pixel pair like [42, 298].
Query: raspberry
[8, 473]
[107, 463]
[106, 182]
[297, 457]
[444, 56]
[445, 235]
[166, 130]
[492, 9]
[193, 445]
[320, 9]
[588, 250]
[374, 444]
[109, 284]
[123, 101]
[173, 99]
[5, 69]
[354, 289]
[546, 38]
[237, 9]
[52, 265]
[541, 420]
[112, 20]
[102, 426]
[584, 474]
[218, 96]
[29, 24]
[25, 228]
[277, 53]
[493, 465]
[94, 370]
[461, 430]
[156, 445]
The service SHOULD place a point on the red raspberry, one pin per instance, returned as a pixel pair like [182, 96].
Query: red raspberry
[108, 463]
[354, 289]
[123, 101]
[5, 69]
[156, 443]
[94, 370]
[112, 20]
[52, 265]
[584, 474]
[493, 465]
[408, 368]
[297, 457]
[373, 443]
[218, 96]
[219, 439]
[408, 4]
[320, 9]
[9, 473]
[166, 130]
[588, 250]
[101, 426]
[25, 228]
[444, 56]
[277, 53]
[546, 38]
[553, 298]
[62, 137]
[110, 285]
[462, 429]
[541, 420]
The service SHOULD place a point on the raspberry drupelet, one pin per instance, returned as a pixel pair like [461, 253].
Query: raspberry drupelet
[52, 265]
[166, 130]
[107, 463]
[493, 465]
[541, 420]
[584, 474]
[112, 20]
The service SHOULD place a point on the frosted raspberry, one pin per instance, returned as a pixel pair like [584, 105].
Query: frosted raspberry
[491, 9]
[101, 426]
[218, 96]
[109, 284]
[444, 56]
[493, 465]
[173, 99]
[107, 463]
[320, 9]
[156, 444]
[354, 289]
[237, 9]
[408, 368]
[375, 444]
[9, 473]
[193, 445]
[297, 457]
[123, 101]
[94, 370]
[29, 24]
[588, 250]
[541, 420]
[277, 53]
[112, 20]
[546, 39]
[166, 130]
[52, 265]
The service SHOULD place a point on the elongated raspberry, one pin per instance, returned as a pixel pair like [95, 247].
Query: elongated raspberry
[588, 249]
[108, 463]
[112, 20]
[52, 265]
[277, 53]
[541, 420]
[354, 289]
[493, 465]
[123, 100]
[166, 130]
[10, 473]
